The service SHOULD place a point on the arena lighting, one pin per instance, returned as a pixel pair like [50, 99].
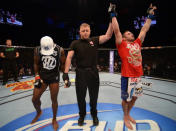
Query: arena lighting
[140, 21]
[10, 18]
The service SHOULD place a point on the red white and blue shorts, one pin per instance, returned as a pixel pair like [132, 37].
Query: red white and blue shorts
[131, 86]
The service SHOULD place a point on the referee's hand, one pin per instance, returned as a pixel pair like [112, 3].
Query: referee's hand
[66, 80]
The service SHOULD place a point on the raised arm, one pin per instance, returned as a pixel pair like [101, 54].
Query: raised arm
[107, 36]
[118, 35]
[115, 24]
[147, 24]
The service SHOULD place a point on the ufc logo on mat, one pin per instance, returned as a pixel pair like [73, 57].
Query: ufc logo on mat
[119, 126]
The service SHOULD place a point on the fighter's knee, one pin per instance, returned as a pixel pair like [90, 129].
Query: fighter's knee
[54, 100]
[125, 101]
[134, 98]
[124, 95]
[35, 100]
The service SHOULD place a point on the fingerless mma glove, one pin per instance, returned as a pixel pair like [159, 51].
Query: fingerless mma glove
[150, 15]
[66, 79]
[112, 11]
[38, 82]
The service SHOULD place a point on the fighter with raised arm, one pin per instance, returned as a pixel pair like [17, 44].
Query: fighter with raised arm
[129, 50]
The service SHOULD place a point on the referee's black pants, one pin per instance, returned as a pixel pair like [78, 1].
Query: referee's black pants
[87, 78]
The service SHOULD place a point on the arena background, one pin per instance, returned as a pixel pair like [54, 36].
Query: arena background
[61, 20]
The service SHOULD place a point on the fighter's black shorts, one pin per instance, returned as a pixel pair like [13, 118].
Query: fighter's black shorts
[48, 79]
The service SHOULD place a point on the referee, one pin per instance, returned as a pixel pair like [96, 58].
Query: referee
[85, 51]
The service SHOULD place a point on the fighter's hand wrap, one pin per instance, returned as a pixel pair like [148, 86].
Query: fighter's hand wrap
[112, 10]
[150, 12]
[38, 82]
[66, 79]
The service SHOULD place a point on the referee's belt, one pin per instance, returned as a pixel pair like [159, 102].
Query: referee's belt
[87, 68]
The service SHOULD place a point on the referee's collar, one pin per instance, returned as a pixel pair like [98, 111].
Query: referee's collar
[88, 40]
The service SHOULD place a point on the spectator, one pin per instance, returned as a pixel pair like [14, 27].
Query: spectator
[9, 55]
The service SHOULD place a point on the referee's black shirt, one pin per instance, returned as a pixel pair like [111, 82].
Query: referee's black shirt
[85, 51]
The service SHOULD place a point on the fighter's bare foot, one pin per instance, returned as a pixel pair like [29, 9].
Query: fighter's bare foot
[131, 119]
[36, 117]
[127, 123]
[55, 125]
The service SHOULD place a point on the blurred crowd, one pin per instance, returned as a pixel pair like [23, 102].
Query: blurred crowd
[155, 63]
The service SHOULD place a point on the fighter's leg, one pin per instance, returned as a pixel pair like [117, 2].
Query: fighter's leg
[126, 97]
[136, 93]
[130, 106]
[36, 100]
[54, 89]
[125, 106]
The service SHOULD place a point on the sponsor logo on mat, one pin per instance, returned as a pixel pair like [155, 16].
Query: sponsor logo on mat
[110, 117]
[25, 85]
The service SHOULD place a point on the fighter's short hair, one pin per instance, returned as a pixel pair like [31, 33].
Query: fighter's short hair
[8, 39]
[123, 35]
